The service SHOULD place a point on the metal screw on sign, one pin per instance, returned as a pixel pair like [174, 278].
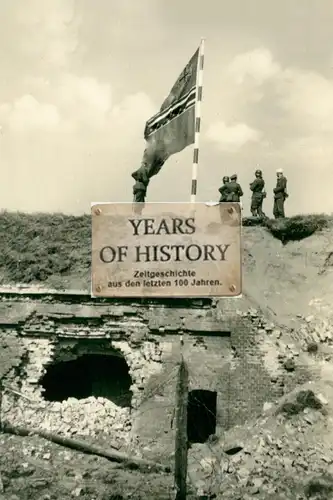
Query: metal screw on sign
[98, 288]
[98, 211]
[232, 288]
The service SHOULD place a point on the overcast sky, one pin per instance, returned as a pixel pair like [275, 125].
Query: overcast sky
[79, 79]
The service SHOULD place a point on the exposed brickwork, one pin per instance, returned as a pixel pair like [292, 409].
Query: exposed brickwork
[227, 349]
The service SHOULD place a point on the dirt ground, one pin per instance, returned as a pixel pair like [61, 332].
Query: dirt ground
[35, 469]
[292, 279]
[287, 454]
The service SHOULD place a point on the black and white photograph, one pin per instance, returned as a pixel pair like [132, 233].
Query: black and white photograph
[166, 250]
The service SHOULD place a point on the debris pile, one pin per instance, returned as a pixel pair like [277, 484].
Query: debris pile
[24, 406]
[33, 468]
[315, 330]
[89, 417]
[261, 324]
[274, 457]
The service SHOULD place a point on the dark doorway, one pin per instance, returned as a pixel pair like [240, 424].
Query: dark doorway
[201, 415]
[96, 375]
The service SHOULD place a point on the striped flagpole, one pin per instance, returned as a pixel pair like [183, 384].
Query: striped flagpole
[197, 121]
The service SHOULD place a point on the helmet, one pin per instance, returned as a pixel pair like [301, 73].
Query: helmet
[233, 177]
[225, 178]
[279, 171]
[258, 172]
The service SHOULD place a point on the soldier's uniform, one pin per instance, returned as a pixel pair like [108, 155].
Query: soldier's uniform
[224, 189]
[258, 194]
[234, 190]
[280, 195]
[141, 183]
[139, 191]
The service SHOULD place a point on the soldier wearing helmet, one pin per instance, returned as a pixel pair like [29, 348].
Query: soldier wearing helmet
[224, 189]
[258, 194]
[280, 195]
[235, 191]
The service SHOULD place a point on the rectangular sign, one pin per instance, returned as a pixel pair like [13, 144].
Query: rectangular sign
[166, 250]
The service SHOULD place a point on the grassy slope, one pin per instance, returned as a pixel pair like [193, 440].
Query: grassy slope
[54, 249]
[295, 228]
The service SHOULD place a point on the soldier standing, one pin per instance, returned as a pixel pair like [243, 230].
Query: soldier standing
[224, 189]
[139, 191]
[258, 194]
[234, 190]
[280, 195]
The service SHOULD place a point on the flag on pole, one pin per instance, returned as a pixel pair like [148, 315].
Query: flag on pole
[171, 130]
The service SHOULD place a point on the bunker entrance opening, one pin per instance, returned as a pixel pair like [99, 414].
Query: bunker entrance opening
[201, 415]
[98, 375]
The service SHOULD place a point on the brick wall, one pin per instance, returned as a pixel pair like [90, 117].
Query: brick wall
[225, 347]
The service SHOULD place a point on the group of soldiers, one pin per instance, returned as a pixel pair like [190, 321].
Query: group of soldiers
[232, 191]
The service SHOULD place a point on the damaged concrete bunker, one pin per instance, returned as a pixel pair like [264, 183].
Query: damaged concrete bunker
[108, 368]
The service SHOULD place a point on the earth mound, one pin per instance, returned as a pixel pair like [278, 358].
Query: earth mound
[285, 454]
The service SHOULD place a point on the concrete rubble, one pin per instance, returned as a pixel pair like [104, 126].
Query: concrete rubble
[316, 330]
[280, 445]
[88, 417]
[246, 461]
